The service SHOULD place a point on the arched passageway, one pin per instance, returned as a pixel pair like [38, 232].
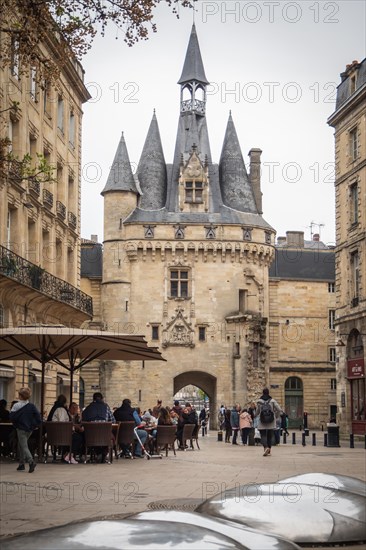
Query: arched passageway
[205, 382]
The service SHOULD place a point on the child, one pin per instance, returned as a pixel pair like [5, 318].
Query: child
[25, 418]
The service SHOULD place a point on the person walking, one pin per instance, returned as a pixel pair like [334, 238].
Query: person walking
[284, 423]
[267, 410]
[25, 417]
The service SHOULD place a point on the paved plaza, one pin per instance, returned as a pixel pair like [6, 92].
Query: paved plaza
[56, 494]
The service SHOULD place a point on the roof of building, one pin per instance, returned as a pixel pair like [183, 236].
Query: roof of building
[236, 189]
[151, 171]
[301, 263]
[193, 66]
[120, 176]
[91, 259]
[344, 90]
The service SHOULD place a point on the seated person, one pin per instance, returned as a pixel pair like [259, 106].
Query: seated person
[99, 411]
[78, 439]
[188, 416]
[126, 413]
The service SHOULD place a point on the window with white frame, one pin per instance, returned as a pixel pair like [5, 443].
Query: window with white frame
[353, 143]
[331, 287]
[333, 383]
[72, 128]
[33, 84]
[331, 319]
[332, 355]
[353, 203]
[179, 283]
[15, 59]
[60, 113]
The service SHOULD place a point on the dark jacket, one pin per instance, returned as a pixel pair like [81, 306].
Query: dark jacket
[27, 418]
[189, 418]
[126, 413]
[234, 419]
[98, 411]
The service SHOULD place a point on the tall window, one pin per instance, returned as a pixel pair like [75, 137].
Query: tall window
[194, 191]
[331, 287]
[47, 99]
[333, 383]
[60, 113]
[33, 84]
[355, 274]
[15, 61]
[155, 332]
[353, 199]
[353, 144]
[72, 128]
[179, 283]
[331, 318]
[332, 355]
[202, 334]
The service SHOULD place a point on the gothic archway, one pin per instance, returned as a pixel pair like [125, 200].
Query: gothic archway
[205, 382]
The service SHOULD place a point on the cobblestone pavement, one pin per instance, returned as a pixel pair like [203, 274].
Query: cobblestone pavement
[56, 494]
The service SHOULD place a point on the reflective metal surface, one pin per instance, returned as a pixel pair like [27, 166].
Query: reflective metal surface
[300, 512]
[122, 535]
[332, 481]
[249, 538]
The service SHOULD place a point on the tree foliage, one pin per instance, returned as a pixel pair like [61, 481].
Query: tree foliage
[73, 24]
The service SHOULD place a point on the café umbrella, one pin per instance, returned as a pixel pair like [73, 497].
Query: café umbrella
[71, 348]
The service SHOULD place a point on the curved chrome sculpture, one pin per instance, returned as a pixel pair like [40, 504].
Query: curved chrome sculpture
[332, 481]
[126, 534]
[301, 512]
[248, 538]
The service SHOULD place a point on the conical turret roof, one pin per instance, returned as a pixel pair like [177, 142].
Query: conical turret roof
[193, 66]
[236, 189]
[120, 176]
[151, 171]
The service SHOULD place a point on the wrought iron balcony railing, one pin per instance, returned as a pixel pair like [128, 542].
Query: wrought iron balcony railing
[34, 187]
[47, 198]
[72, 220]
[61, 210]
[17, 268]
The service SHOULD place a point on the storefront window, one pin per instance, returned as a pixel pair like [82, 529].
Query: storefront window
[358, 399]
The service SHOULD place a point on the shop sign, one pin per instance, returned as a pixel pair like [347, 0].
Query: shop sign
[355, 368]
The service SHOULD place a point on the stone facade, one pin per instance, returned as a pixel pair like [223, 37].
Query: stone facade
[40, 221]
[349, 122]
[302, 337]
[186, 261]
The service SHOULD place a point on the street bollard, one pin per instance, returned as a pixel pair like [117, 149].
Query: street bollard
[325, 440]
[284, 438]
[219, 436]
[293, 438]
[351, 441]
[314, 440]
[303, 439]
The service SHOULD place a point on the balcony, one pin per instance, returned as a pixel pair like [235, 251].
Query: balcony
[34, 187]
[48, 198]
[26, 273]
[72, 220]
[60, 210]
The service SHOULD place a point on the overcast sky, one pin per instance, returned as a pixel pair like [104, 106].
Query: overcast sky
[275, 65]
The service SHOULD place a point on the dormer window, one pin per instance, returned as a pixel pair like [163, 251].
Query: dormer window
[194, 191]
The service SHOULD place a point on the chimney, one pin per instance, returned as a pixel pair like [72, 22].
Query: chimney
[316, 237]
[255, 176]
[281, 240]
[295, 238]
[94, 238]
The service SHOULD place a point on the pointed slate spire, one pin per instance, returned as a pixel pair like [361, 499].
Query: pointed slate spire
[236, 189]
[120, 176]
[193, 65]
[151, 170]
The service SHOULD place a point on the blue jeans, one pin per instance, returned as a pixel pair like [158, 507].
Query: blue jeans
[142, 435]
[24, 452]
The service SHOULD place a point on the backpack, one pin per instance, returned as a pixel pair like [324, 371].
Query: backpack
[266, 415]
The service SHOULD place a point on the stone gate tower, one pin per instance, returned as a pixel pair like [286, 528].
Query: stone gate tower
[186, 258]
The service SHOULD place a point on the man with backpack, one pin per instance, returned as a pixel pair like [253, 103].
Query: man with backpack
[267, 411]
